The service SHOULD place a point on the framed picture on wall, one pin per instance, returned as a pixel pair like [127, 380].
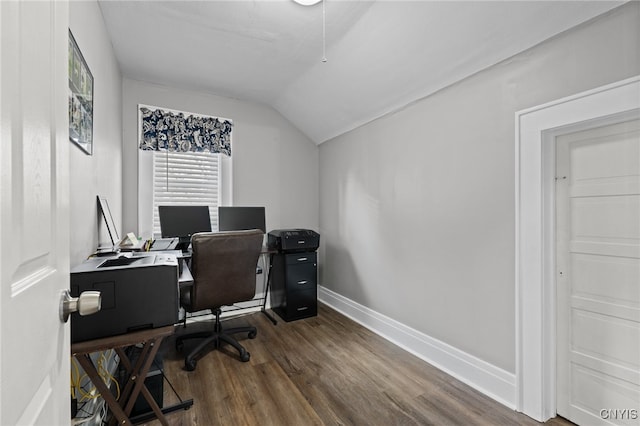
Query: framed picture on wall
[80, 99]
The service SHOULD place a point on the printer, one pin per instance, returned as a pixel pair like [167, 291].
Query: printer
[138, 292]
[293, 240]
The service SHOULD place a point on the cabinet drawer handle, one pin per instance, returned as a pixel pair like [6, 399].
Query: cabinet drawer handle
[302, 259]
[302, 282]
[303, 308]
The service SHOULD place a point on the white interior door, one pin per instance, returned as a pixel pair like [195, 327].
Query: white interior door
[598, 275]
[34, 204]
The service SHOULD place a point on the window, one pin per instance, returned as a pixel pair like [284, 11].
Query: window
[183, 159]
[186, 178]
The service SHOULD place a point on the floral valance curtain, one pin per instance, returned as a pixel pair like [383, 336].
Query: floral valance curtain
[163, 130]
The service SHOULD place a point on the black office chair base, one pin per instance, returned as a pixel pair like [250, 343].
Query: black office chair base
[215, 338]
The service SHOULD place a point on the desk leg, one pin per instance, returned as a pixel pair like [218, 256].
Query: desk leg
[266, 292]
[86, 363]
[138, 376]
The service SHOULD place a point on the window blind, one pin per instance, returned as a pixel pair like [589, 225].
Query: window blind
[186, 178]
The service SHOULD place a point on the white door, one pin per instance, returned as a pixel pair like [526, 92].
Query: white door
[34, 212]
[598, 275]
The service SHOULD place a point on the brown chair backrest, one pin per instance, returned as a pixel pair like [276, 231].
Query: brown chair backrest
[223, 265]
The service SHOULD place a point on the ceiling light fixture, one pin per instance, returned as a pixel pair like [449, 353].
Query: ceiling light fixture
[307, 2]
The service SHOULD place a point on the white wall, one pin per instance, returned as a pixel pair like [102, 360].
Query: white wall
[417, 211]
[274, 164]
[100, 173]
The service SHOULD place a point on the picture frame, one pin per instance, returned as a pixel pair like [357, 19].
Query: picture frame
[80, 99]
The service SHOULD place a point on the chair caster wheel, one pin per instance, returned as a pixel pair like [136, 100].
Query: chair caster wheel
[190, 364]
[179, 346]
[253, 334]
[244, 356]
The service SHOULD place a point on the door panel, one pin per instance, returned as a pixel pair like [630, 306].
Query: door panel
[606, 339]
[620, 273]
[612, 393]
[619, 150]
[606, 219]
[598, 274]
[34, 229]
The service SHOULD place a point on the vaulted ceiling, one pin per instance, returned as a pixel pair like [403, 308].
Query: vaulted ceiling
[381, 55]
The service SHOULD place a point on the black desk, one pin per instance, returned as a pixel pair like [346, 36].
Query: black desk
[268, 253]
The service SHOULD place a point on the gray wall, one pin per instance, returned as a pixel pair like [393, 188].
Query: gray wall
[417, 208]
[100, 173]
[274, 165]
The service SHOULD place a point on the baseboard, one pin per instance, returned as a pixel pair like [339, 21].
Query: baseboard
[492, 381]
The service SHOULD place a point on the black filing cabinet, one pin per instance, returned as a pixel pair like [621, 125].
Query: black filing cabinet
[294, 285]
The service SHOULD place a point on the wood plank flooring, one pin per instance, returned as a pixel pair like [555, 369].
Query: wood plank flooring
[326, 370]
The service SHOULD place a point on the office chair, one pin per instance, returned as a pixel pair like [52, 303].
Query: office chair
[223, 265]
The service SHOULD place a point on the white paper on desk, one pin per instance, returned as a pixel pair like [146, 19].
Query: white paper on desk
[129, 240]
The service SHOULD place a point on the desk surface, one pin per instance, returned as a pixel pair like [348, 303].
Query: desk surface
[120, 341]
[268, 250]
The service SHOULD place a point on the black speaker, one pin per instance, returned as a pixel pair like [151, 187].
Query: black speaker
[153, 382]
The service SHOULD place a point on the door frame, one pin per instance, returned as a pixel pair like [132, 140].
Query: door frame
[536, 130]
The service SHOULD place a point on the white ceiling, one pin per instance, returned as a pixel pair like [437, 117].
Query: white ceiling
[381, 55]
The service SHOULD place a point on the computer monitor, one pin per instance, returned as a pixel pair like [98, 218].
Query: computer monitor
[240, 218]
[183, 221]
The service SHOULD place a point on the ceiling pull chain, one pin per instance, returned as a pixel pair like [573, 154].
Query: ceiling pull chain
[324, 25]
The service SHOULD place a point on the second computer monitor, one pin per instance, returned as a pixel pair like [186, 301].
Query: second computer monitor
[183, 221]
[240, 218]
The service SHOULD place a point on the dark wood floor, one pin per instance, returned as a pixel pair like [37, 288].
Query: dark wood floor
[326, 370]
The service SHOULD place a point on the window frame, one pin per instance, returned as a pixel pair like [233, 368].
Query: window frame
[146, 194]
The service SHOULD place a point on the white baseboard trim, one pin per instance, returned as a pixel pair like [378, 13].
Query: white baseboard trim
[492, 381]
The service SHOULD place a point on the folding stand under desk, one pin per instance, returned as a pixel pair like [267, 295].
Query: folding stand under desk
[150, 340]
